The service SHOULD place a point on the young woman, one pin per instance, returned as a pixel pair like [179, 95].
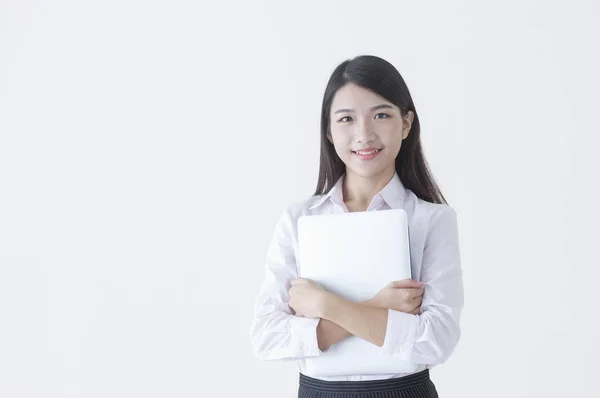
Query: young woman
[371, 159]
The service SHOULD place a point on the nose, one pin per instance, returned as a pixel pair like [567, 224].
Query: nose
[364, 132]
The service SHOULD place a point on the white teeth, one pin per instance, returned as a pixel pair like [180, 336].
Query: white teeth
[367, 153]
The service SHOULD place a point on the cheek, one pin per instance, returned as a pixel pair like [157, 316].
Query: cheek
[393, 136]
[340, 141]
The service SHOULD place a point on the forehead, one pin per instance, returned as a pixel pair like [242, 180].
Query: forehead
[354, 96]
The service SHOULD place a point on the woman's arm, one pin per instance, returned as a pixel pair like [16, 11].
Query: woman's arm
[330, 333]
[276, 333]
[431, 337]
[359, 319]
[366, 319]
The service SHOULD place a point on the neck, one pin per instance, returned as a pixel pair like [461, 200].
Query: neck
[361, 190]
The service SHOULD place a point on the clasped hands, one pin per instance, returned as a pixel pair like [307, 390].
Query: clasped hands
[311, 300]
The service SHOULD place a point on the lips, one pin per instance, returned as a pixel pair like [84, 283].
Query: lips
[367, 151]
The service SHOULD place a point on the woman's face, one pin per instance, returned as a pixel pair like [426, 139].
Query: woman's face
[366, 130]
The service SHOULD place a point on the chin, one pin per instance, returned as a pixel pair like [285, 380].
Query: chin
[367, 172]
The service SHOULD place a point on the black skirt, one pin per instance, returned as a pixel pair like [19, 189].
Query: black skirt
[417, 385]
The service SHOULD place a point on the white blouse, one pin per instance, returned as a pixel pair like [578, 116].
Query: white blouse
[427, 339]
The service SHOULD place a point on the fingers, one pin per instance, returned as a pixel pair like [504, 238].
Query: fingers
[294, 312]
[417, 301]
[416, 311]
[299, 281]
[406, 283]
[410, 294]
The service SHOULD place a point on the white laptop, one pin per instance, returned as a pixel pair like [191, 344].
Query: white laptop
[354, 255]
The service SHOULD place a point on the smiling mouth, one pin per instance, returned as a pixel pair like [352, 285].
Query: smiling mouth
[367, 152]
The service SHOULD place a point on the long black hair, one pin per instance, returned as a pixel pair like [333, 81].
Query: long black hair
[382, 78]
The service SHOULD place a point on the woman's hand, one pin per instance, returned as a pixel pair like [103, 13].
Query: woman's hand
[405, 296]
[307, 298]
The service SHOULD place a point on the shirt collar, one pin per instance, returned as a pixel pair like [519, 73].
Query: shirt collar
[393, 193]
[334, 194]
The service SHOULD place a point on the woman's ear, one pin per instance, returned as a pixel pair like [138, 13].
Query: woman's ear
[330, 138]
[407, 121]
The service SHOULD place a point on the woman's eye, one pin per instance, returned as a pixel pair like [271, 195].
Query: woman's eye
[383, 116]
[345, 119]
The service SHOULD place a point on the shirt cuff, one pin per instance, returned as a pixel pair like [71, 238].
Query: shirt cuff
[400, 334]
[304, 336]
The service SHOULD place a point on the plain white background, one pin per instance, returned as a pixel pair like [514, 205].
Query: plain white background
[147, 148]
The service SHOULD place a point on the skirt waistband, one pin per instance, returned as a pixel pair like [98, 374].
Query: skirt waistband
[396, 383]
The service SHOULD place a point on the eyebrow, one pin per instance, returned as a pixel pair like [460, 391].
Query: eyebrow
[382, 106]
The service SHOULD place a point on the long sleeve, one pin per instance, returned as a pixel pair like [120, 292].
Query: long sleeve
[431, 337]
[275, 332]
